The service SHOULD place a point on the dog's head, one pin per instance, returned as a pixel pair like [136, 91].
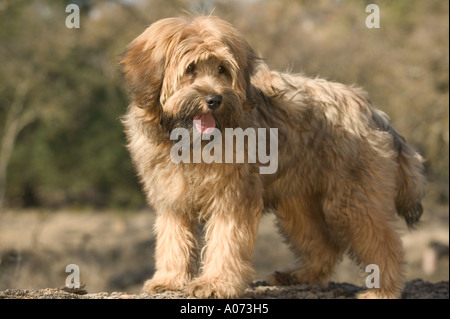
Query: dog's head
[180, 70]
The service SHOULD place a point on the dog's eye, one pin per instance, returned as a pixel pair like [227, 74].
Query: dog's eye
[191, 68]
[222, 69]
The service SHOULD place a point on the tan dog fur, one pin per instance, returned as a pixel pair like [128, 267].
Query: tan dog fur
[344, 174]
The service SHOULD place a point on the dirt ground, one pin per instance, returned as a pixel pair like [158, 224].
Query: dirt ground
[114, 252]
[415, 289]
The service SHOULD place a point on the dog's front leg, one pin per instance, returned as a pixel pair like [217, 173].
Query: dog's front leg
[230, 238]
[175, 255]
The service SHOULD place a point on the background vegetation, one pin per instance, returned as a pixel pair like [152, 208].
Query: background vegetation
[62, 154]
[62, 94]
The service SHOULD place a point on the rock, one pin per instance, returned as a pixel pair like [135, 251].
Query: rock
[415, 289]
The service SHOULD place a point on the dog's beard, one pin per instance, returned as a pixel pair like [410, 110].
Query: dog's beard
[227, 116]
[182, 119]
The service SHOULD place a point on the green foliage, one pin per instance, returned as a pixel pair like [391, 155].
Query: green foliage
[72, 150]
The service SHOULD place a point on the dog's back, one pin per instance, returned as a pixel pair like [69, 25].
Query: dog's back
[298, 90]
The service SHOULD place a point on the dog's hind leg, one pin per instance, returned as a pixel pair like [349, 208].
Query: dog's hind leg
[301, 224]
[365, 220]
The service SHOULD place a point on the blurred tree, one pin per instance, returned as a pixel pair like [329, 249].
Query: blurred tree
[19, 80]
[62, 95]
[67, 84]
[16, 120]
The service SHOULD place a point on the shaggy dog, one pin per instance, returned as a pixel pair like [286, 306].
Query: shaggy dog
[343, 172]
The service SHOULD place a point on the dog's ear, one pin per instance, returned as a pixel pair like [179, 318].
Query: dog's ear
[144, 63]
[144, 70]
[249, 62]
[250, 90]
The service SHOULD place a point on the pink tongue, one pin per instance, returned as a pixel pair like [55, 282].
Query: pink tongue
[206, 123]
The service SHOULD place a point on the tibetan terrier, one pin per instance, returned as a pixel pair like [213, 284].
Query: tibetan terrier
[343, 173]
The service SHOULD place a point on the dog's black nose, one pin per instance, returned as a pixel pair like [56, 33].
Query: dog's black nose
[213, 101]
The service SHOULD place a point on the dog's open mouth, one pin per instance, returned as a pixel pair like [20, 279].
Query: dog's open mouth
[204, 123]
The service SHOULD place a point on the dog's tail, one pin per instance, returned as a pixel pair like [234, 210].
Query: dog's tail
[410, 181]
[410, 177]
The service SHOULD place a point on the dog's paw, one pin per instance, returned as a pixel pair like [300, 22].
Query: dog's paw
[295, 276]
[279, 278]
[377, 294]
[215, 288]
[161, 283]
